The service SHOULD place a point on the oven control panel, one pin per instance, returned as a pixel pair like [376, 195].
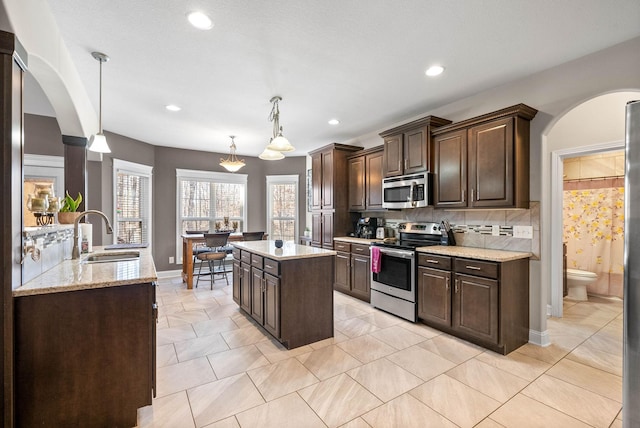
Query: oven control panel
[424, 228]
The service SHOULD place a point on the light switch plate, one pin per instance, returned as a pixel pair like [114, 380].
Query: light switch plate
[524, 232]
[495, 230]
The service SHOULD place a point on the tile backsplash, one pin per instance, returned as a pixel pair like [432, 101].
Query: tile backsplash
[473, 228]
[54, 244]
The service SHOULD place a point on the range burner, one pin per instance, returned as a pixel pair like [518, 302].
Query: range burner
[414, 235]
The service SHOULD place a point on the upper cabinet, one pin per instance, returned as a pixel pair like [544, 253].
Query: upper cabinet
[365, 180]
[407, 147]
[329, 193]
[483, 162]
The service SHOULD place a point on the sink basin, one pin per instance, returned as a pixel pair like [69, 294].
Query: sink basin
[115, 256]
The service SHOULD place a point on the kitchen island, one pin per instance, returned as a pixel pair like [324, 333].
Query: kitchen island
[85, 342]
[288, 290]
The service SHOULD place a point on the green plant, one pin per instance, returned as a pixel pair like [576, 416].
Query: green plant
[70, 205]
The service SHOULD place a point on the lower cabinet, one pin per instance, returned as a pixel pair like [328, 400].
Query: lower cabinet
[85, 358]
[481, 301]
[353, 270]
[291, 299]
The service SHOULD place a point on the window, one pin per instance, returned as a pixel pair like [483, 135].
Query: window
[209, 201]
[282, 207]
[132, 202]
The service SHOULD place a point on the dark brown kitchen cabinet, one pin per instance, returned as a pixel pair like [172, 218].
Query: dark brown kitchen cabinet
[86, 357]
[407, 147]
[237, 277]
[483, 162]
[293, 298]
[353, 270]
[480, 301]
[330, 193]
[365, 180]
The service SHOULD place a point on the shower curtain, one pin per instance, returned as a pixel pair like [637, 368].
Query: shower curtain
[594, 231]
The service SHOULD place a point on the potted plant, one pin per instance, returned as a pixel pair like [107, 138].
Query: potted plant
[69, 209]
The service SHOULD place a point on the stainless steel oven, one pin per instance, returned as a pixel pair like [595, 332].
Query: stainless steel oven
[393, 289]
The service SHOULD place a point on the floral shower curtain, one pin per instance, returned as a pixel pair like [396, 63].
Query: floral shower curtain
[594, 232]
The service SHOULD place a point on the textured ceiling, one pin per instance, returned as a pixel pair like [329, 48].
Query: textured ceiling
[362, 62]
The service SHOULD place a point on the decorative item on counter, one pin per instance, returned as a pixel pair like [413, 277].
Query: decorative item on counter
[279, 243]
[234, 225]
[68, 212]
[39, 206]
[86, 232]
[307, 232]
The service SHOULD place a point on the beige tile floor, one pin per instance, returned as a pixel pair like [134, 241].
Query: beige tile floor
[216, 368]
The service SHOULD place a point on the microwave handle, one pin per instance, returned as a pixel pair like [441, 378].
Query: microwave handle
[412, 194]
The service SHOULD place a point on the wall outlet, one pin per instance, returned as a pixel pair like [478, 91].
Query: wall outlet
[495, 230]
[172, 259]
[524, 232]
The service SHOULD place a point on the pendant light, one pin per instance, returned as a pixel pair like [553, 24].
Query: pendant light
[98, 142]
[268, 154]
[278, 142]
[232, 163]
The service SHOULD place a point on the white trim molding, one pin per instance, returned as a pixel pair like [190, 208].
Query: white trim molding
[540, 338]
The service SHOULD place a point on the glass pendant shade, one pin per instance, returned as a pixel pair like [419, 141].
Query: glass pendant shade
[98, 143]
[280, 144]
[268, 154]
[232, 163]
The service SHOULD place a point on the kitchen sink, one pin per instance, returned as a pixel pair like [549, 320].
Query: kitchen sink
[115, 256]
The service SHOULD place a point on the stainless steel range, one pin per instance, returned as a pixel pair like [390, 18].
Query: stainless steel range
[393, 288]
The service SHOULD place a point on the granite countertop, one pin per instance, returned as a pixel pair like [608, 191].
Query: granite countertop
[354, 240]
[288, 251]
[73, 275]
[475, 253]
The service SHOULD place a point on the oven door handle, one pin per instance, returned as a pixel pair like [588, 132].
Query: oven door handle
[397, 253]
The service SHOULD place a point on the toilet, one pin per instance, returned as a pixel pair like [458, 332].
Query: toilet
[577, 281]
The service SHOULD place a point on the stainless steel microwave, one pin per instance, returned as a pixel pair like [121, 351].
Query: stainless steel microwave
[407, 191]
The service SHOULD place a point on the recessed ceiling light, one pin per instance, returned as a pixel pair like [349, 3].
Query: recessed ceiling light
[334, 122]
[200, 20]
[172, 107]
[434, 70]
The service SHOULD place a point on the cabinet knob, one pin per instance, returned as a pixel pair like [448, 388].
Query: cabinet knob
[472, 190]
[432, 261]
[447, 284]
[457, 285]
[473, 267]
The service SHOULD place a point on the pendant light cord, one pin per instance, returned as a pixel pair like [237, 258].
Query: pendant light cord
[100, 107]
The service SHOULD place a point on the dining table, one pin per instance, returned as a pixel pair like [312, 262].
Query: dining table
[188, 241]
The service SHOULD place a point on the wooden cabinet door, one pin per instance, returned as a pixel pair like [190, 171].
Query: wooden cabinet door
[327, 180]
[257, 301]
[416, 151]
[475, 307]
[450, 170]
[316, 229]
[491, 163]
[342, 280]
[327, 230]
[316, 181]
[245, 287]
[393, 156]
[373, 180]
[272, 304]
[361, 276]
[357, 182]
[237, 273]
[434, 296]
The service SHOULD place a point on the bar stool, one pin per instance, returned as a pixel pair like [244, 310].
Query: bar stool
[216, 243]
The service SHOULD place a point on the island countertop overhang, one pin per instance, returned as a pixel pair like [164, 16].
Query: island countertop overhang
[289, 250]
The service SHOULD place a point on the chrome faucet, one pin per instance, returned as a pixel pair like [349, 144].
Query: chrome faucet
[75, 253]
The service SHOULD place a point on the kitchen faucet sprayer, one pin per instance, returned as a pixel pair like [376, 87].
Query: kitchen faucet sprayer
[75, 253]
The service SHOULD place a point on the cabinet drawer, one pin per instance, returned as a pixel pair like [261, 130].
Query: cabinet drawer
[341, 246]
[477, 267]
[256, 261]
[360, 249]
[236, 253]
[245, 257]
[271, 266]
[438, 262]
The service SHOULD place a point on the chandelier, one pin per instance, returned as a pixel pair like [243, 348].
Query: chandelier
[278, 143]
[232, 163]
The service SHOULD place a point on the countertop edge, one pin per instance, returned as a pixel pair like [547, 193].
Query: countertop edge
[251, 248]
[476, 253]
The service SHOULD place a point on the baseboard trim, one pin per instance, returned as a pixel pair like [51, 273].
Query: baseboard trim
[540, 338]
[169, 273]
